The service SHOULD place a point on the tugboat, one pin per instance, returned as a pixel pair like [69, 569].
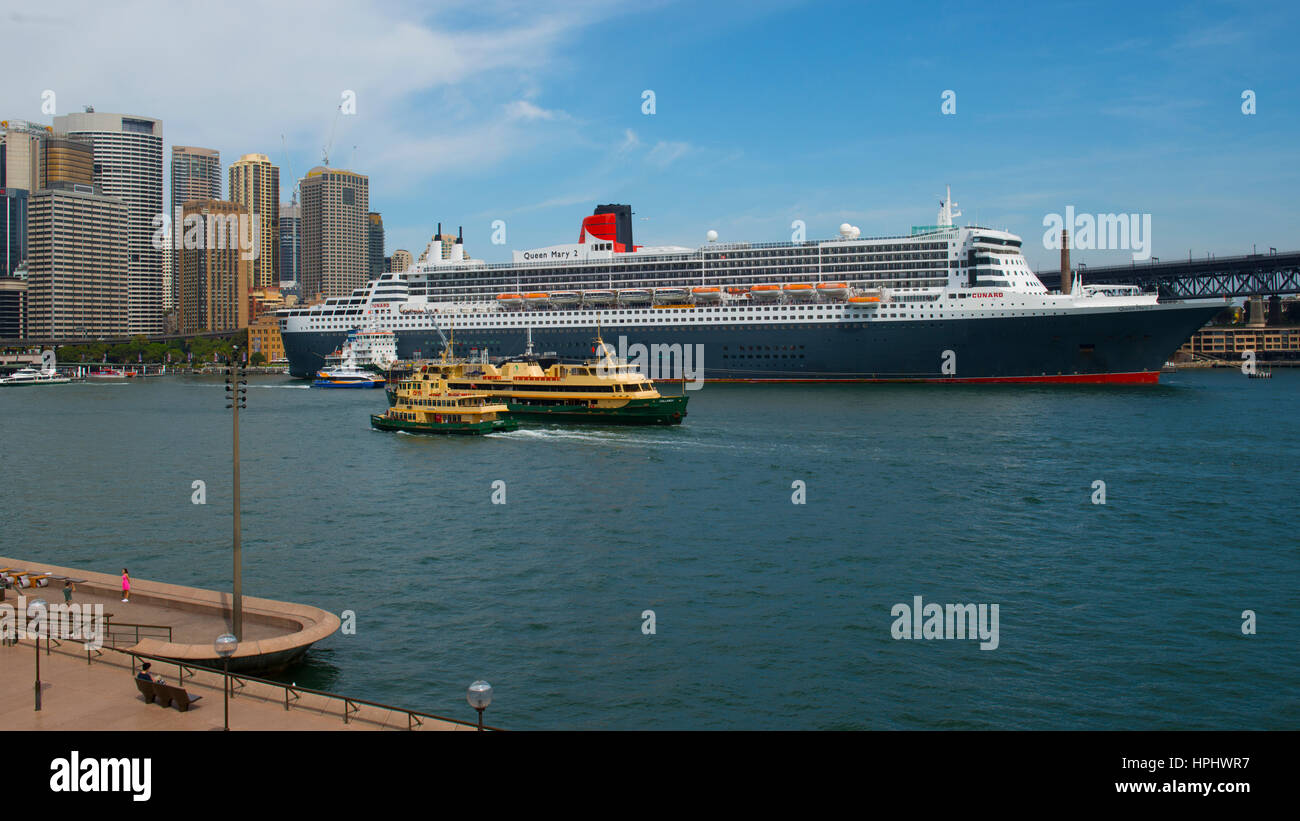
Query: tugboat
[426, 404]
[602, 390]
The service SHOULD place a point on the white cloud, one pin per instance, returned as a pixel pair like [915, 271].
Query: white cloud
[665, 153]
[431, 91]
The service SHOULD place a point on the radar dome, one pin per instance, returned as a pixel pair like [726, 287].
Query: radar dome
[712, 236]
[845, 229]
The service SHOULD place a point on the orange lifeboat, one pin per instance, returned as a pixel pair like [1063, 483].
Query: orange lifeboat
[860, 299]
[800, 290]
[765, 292]
[706, 293]
[835, 290]
[510, 299]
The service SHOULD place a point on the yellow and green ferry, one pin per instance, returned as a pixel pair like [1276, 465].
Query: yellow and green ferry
[604, 389]
[425, 403]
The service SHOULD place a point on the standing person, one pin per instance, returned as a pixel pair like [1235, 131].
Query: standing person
[68, 587]
[126, 585]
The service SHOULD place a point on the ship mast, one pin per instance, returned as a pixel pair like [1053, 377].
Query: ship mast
[947, 209]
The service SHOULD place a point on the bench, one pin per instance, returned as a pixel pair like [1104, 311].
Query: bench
[165, 695]
[146, 689]
[168, 695]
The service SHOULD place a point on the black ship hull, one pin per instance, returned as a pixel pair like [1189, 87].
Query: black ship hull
[1111, 345]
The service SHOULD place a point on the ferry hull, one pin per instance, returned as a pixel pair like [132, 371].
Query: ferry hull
[444, 428]
[1085, 346]
[668, 410]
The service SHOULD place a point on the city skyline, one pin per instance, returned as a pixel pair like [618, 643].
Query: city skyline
[532, 116]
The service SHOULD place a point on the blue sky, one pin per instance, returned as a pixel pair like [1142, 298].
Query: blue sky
[765, 112]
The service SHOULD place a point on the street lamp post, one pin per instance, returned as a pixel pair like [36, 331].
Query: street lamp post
[226, 645]
[479, 696]
[36, 610]
[237, 396]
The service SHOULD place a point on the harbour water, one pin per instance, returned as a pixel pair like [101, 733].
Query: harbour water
[768, 614]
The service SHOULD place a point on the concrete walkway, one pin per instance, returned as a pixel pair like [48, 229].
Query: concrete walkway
[102, 696]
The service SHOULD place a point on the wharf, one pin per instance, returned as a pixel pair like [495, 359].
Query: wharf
[276, 634]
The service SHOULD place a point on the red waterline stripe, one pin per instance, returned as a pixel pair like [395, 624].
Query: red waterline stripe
[1139, 378]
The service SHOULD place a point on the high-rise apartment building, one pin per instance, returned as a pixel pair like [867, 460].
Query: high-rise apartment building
[401, 260]
[214, 278]
[128, 165]
[255, 184]
[290, 242]
[335, 232]
[376, 244]
[78, 282]
[195, 175]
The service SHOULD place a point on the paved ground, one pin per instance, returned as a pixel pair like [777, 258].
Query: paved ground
[102, 696]
[188, 626]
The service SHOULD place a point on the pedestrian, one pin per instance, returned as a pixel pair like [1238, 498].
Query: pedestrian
[126, 585]
[68, 587]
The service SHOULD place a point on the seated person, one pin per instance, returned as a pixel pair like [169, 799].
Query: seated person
[148, 676]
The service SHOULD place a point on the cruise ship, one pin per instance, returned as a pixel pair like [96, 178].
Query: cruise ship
[943, 303]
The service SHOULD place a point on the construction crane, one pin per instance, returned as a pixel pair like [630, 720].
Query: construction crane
[288, 163]
[325, 151]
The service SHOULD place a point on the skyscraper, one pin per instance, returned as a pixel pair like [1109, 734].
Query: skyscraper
[64, 159]
[13, 308]
[20, 154]
[290, 242]
[335, 234]
[13, 230]
[376, 244]
[77, 269]
[255, 184]
[129, 166]
[214, 279]
[196, 175]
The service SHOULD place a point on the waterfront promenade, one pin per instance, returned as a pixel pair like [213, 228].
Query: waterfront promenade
[100, 695]
[275, 633]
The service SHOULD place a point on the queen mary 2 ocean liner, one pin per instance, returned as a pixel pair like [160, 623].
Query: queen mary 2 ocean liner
[942, 304]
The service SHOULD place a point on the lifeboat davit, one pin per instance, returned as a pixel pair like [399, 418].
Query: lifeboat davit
[799, 290]
[510, 300]
[559, 298]
[597, 297]
[706, 293]
[666, 296]
[634, 296]
[765, 293]
[833, 290]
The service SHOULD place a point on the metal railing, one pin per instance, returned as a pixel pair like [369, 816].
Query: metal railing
[293, 693]
[116, 633]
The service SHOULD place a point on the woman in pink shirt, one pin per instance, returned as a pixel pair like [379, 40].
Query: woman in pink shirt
[126, 585]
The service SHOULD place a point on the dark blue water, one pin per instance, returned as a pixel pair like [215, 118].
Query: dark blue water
[768, 614]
